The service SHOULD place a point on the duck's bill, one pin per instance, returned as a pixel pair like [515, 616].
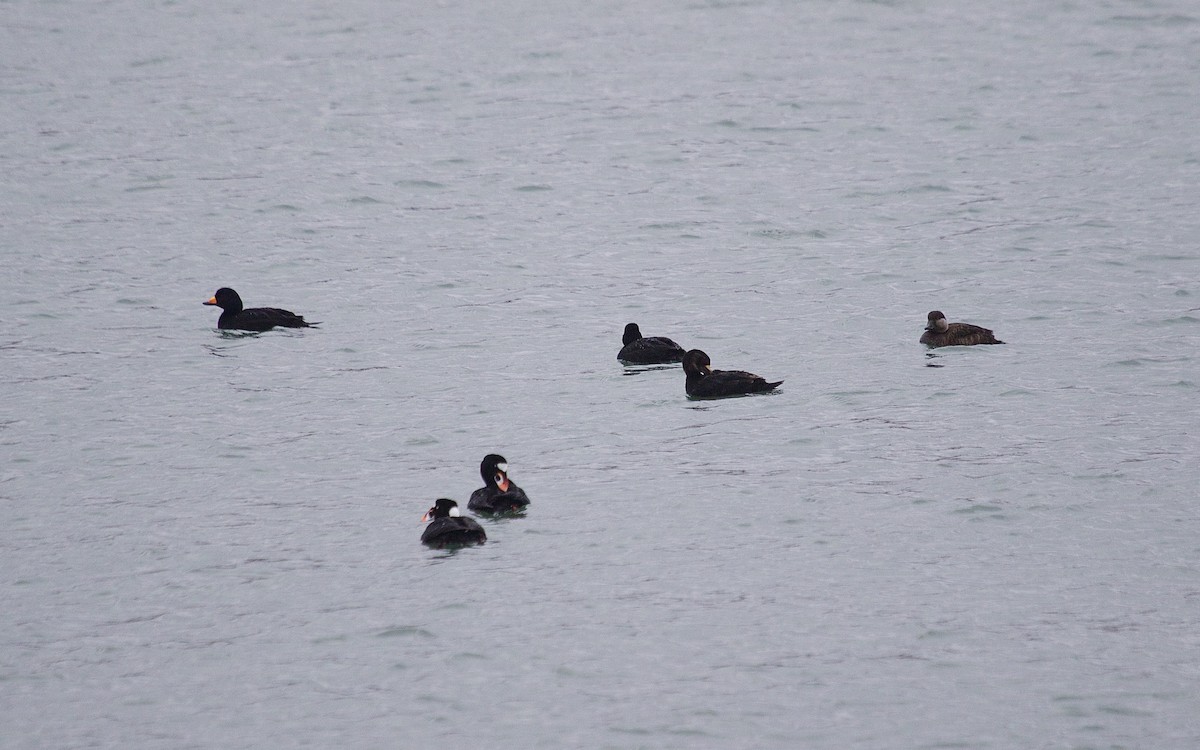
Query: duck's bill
[211, 301]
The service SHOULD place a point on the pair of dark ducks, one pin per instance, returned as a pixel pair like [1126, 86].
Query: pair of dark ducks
[449, 528]
[702, 381]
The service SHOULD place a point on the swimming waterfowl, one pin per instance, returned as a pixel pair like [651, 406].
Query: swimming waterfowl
[705, 382]
[500, 494]
[252, 319]
[648, 350]
[448, 528]
[940, 333]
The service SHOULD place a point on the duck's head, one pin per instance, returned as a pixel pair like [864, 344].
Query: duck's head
[696, 362]
[632, 334]
[443, 508]
[226, 299]
[494, 470]
[937, 322]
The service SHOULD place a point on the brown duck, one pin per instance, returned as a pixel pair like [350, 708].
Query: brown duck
[940, 333]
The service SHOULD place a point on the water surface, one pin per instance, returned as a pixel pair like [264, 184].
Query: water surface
[211, 540]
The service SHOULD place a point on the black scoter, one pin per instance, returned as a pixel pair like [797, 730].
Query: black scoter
[233, 317]
[648, 350]
[500, 494]
[449, 529]
[705, 382]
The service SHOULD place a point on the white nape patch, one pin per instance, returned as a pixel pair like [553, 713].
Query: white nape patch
[502, 467]
[455, 512]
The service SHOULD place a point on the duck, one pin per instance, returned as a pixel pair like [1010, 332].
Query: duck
[499, 494]
[705, 382]
[940, 333]
[648, 350]
[448, 528]
[233, 317]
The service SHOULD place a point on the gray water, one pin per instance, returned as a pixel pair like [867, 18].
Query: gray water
[211, 540]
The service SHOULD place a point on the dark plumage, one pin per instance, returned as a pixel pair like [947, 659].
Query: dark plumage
[705, 382]
[940, 333]
[254, 318]
[448, 529]
[499, 495]
[652, 350]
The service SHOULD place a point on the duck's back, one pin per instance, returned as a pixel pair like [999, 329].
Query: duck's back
[492, 500]
[651, 350]
[454, 530]
[261, 319]
[719, 383]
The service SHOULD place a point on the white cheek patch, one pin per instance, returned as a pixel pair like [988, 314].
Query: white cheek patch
[455, 512]
[502, 467]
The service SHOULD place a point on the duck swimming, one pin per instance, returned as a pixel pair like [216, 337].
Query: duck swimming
[940, 333]
[447, 528]
[705, 382]
[500, 494]
[652, 350]
[233, 317]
